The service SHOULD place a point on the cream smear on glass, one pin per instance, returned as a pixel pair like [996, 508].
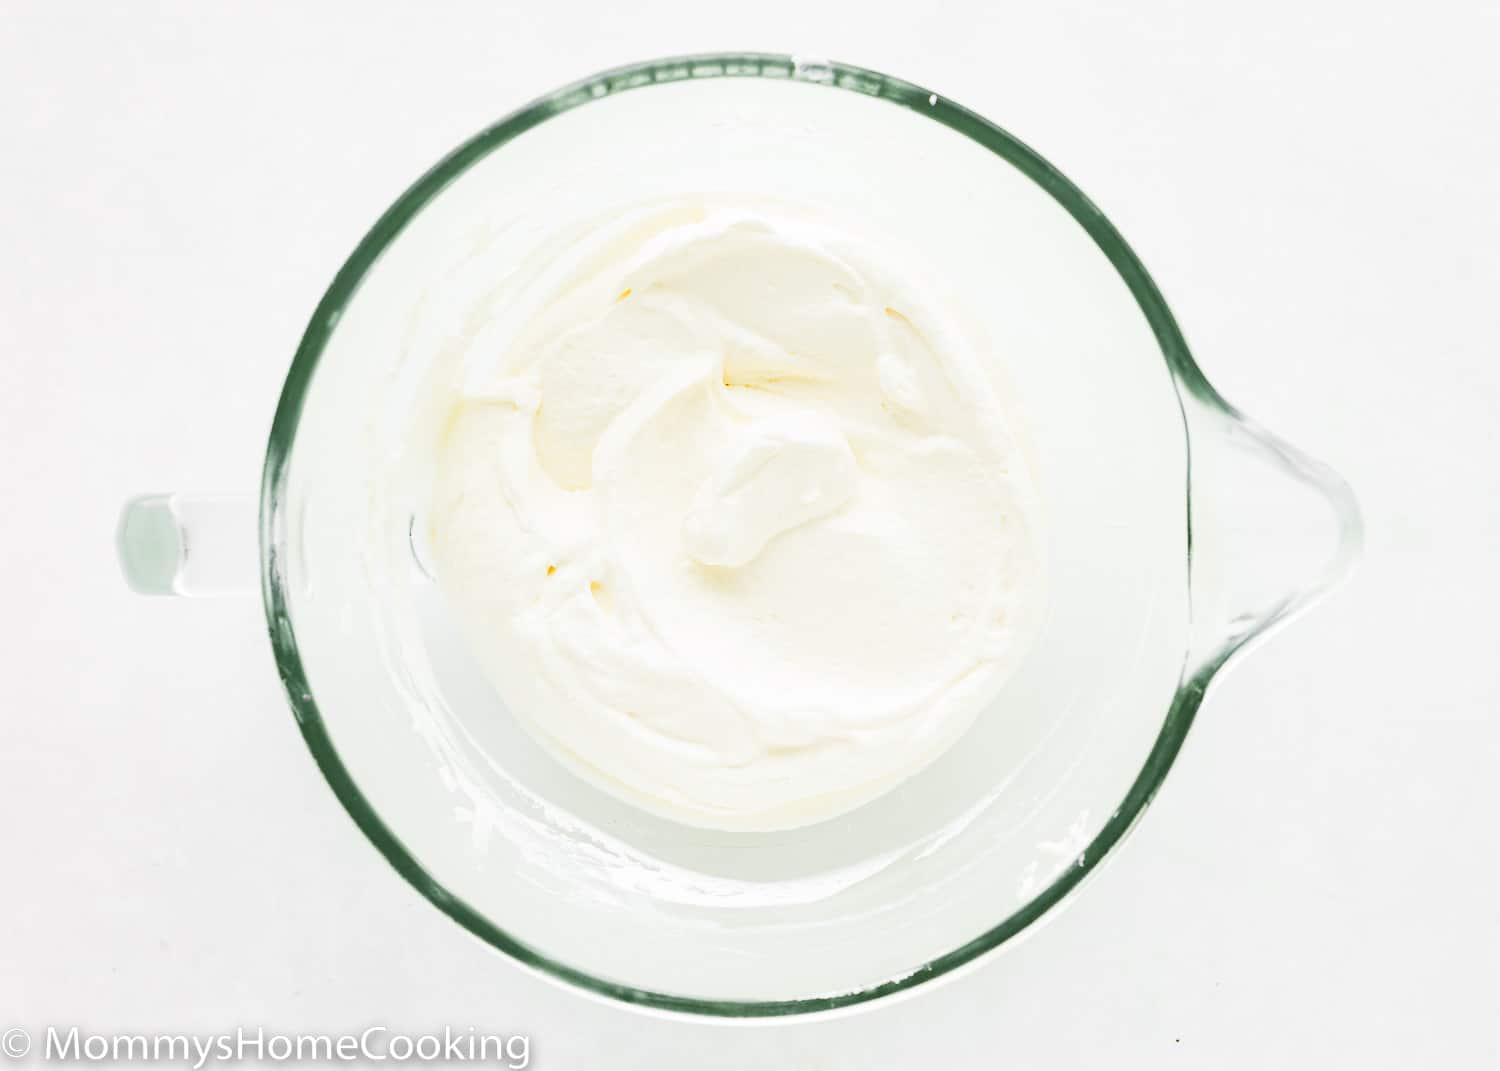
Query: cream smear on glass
[733, 516]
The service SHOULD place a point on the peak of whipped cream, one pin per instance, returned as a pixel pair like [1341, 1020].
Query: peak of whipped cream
[732, 515]
[778, 472]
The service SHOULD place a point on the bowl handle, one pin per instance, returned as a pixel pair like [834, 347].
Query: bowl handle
[177, 544]
[1270, 531]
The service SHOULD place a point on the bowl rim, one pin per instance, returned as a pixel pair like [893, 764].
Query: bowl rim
[838, 76]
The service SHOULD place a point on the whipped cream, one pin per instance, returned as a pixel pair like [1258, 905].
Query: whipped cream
[733, 515]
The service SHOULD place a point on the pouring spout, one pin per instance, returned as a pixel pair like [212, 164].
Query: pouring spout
[1271, 530]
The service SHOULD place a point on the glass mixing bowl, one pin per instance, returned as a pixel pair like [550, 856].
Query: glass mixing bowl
[1178, 531]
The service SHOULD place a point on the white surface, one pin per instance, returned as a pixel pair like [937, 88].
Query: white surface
[1311, 185]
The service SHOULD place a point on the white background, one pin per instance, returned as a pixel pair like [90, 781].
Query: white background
[1312, 184]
